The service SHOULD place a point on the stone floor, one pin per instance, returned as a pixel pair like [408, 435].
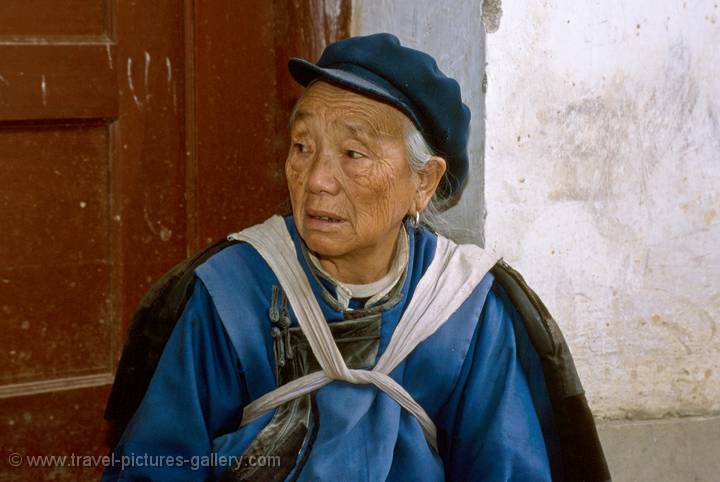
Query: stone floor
[672, 450]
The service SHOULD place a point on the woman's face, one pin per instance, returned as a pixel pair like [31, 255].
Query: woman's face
[348, 174]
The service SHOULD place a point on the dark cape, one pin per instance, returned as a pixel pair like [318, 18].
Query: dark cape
[579, 458]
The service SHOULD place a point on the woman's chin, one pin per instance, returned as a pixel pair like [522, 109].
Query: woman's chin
[325, 244]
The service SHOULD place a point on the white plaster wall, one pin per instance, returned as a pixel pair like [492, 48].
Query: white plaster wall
[450, 31]
[601, 176]
[602, 187]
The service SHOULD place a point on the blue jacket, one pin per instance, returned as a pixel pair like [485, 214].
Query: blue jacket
[487, 390]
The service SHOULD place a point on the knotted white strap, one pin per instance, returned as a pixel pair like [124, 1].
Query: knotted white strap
[451, 277]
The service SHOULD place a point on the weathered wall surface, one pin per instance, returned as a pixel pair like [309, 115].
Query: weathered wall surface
[451, 31]
[602, 185]
[601, 176]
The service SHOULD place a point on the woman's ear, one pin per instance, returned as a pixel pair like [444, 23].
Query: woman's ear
[428, 180]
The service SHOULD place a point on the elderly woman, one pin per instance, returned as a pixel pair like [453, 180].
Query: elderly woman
[348, 341]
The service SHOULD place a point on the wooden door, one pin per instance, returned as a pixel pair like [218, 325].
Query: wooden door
[131, 134]
[91, 207]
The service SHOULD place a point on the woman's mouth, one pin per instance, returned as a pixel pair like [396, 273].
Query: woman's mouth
[326, 218]
[323, 219]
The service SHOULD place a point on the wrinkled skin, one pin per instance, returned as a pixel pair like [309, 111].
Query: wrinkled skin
[350, 182]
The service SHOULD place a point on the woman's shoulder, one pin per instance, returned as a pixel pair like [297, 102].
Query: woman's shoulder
[229, 253]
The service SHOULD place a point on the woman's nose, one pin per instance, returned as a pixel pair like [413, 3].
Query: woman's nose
[322, 177]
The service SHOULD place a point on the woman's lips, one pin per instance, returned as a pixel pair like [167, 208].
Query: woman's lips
[322, 220]
[326, 218]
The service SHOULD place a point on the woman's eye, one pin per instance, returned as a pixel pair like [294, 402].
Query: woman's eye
[355, 154]
[300, 147]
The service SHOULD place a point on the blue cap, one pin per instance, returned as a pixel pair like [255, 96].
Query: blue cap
[379, 67]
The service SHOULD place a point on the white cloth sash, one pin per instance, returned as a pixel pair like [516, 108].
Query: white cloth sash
[452, 276]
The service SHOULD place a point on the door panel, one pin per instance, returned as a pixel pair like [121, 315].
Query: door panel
[53, 424]
[32, 19]
[55, 252]
[60, 81]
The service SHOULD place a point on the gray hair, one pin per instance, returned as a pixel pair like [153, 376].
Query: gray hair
[419, 153]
